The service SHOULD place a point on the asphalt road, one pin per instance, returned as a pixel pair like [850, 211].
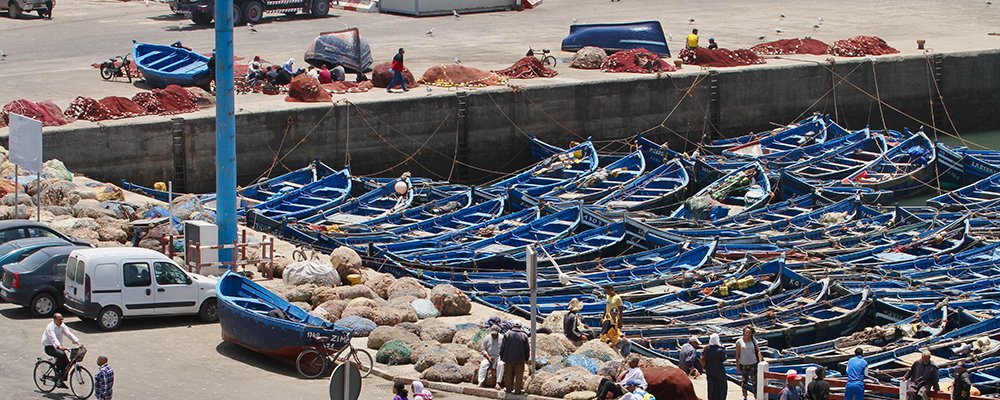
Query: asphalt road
[165, 358]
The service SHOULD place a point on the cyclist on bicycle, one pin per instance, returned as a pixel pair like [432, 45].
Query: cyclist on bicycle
[53, 345]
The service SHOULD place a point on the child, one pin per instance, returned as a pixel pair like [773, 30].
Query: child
[419, 393]
[400, 390]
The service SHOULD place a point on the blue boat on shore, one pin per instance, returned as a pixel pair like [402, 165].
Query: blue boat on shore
[163, 65]
[617, 37]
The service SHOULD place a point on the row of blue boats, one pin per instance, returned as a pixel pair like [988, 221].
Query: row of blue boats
[794, 231]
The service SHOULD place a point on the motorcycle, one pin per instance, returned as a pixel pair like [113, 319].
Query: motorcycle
[117, 67]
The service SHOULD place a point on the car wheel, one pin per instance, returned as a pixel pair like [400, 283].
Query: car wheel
[209, 311]
[109, 319]
[14, 9]
[43, 305]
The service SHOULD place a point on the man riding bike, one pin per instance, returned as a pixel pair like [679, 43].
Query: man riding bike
[51, 341]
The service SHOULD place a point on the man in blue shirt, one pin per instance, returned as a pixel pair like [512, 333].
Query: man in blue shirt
[856, 368]
[104, 381]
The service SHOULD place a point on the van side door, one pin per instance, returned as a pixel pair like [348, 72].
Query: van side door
[176, 293]
[137, 288]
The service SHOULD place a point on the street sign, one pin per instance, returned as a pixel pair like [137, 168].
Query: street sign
[26, 143]
[345, 383]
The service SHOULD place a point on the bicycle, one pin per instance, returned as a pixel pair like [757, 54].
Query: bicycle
[546, 58]
[80, 380]
[313, 362]
[299, 254]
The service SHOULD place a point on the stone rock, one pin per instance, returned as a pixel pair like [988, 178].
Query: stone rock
[58, 210]
[469, 372]
[353, 292]
[581, 395]
[599, 351]
[334, 309]
[59, 193]
[450, 301]
[406, 286]
[433, 357]
[319, 312]
[85, 223]
[471, 337]
[533, 384]
[280, 263]
[383, 334]
[360, 327]
[87, 234]
[411, 327]
[555, 344]
[367, 308]
[463, 354]
[394, 352]
[424, 346]
[669, 383]
[554, 322]
[316, 272]
[323, 295]
[425, 309]
[91, 209]
[303, 305]
[345, 260]
[567, 380]
[112, 234]
[22, 199]
[434, 329]
[445, 372]
[610, 369]
[300, 292]
[401, 305]
[377, 281]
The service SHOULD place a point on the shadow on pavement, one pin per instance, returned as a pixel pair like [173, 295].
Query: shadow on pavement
[58, 396]
[246, 356]
[168, 17]
[136, 324]
[17, 313]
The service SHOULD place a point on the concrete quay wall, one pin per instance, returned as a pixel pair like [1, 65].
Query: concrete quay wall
[486, 129]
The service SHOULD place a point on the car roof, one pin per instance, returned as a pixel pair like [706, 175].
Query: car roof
[21, 223]
[35, 241]
[101, 252]
[61, 250]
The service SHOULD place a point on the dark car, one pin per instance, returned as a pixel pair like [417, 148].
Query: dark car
[37, 281]
[13, 229]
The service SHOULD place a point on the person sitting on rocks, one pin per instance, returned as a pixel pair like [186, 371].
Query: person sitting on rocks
[573, 326]
[491, 357]
[632, 374]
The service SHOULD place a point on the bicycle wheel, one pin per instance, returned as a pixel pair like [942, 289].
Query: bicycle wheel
[363, 360]
[549, 60]
[311, 363]
[81, 382]
[44, 376]
[298, 255]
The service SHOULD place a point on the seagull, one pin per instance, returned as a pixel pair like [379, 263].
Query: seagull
[180, 26]
[761, 37]
[455, 13]
[816, 26]
[781, 15]
[457, 61]
[670, 37]
[147, 3]
[778, 30]
[574, 20]
[430, 32]
[989, 3]
[428, 88]
[819, 20]
[690, 21]
[252, 29]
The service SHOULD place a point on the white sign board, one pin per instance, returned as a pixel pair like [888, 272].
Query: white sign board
[26, 143]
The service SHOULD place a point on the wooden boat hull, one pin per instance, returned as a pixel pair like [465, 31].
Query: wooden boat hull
[617, 37]
[163, 65]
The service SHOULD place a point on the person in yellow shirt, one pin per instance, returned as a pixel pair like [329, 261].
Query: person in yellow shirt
[692, 39]
[612, 311]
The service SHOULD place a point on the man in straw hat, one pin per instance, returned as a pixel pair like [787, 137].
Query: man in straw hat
[573, 327]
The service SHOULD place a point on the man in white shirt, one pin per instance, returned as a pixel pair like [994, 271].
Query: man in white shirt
[632, 375]
[491, 357]
[52, 342]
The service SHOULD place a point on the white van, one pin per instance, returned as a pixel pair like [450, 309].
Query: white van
[109, 283]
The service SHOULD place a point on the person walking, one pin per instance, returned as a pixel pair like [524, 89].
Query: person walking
[399, 390]
[573, 326]
[397, 72]
[689, 361]
[961, 389]
[791, 389]
[491, 357]
[52, 343]
[692, 40]
[515, 352]
[617, 388]
[857, 369]
[714, 359]
[819, 388]
[104, 381]
[922, 378]
[747, 357]
[419, 393]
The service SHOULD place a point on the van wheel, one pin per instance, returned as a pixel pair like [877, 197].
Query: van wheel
[320, 8]
[109, 319]
[254, 12]
[200, 18]
[14, 9]
[43, 305]
[209, 311]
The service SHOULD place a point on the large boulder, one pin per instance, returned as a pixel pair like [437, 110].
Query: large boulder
[435, 329]
[334, 309]
[444, 372]
[463, 354]
[382, 334]
[581, 395]
[377, 281]
[433, 357]
[353, 292]
[401, 305]
[112, 234]
[589, 57]
[669, 383]
[450, 301]
[423, 346]
[360, 327]
[303, 305]
[609, 369]
[346, 261]
[394, 352]
[471, 337]
[406, 286]
[61, 193]
[411, 327]
[91, 209]
[535, 383]
[316, 272]
[425, 309]
[599, 351]
[566, 381]
[323, 295]
[555, 344]
[554, 322]
[300, 292]
[469, 372]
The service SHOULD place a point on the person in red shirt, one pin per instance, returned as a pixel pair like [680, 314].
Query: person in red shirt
[397, 72]
[324, 75]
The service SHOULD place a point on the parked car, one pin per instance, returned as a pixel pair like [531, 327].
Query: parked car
[13, 229]
[17, 250]
[112, 283]
[15, 8]
[37, 281]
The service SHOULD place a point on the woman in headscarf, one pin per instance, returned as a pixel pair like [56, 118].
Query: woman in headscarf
[419, 393]
[289, 65]
[713, 359]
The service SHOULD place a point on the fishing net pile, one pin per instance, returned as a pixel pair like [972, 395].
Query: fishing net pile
[170, 100]
[306, 89]
[792, 46]
[589, 57]
[637, 61]
[45, 111]
[341, 87]
[527, 68]
[860, 46]
[381, 76]
[456, 75]
[720, 57]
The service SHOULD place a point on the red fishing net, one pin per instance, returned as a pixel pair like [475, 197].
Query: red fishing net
[860, 46]
[527, 68]
[112, 107]
[720, 57]
[45, 111]
[457, 75]
[381, 76]
[637, 61]
[174, 99]
[341, 87]
[307, 89]
[122, 107]
[792, 46]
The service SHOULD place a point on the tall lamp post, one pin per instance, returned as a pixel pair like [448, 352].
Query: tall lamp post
[225, 128]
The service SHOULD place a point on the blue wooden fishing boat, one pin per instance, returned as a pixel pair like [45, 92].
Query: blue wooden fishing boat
[257, 319]
[372, 205]
[653, 191]
[587, 188]
[717, 146]
[413, 215]
[616, 37]
[842, 161]
[557, 170]
[310, 199]
[904, 170]
[811, 131]
[163, 65]
[742, 190]
[961, 166]
[467, 234]
[659, 154]
[977, 196]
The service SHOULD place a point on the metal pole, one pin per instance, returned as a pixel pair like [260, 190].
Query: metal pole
[17, 171]
[170, 209]
[225, 127]
[532, 268]
[38, 204]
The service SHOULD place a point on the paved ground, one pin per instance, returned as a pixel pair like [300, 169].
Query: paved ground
[51, 59]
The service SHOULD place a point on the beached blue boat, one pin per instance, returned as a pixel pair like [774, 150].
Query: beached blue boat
[163, 65]
[742, 190]
[617, 37]
[257, 319]
[961, 166]
[310, 199]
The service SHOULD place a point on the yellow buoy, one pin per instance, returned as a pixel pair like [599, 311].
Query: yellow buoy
[354, 279]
